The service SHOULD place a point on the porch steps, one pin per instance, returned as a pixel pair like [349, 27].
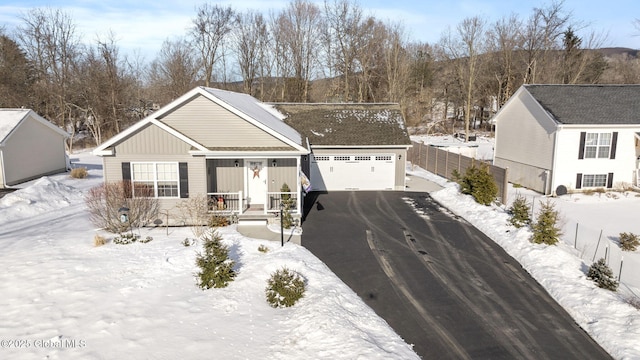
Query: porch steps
[254, 216]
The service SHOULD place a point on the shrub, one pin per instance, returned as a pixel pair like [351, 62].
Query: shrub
[478, 182]
[284, 288]
[546, 229]
[287, 202]
[79, 173]
[99, 240]
[194, 212]
[263, 249]
[124, 239]
[600, 272]
[216, 269]
[146, 240]
[629, 241]
[519, 212]
[187, 242]
[218, 221]
[104, 203]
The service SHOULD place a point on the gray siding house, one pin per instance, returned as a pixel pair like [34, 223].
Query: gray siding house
[556, 138]
[239, 152]
[30, 147]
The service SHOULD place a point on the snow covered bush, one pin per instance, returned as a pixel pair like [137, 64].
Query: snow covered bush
[263, 249]
[216, 268]
[218, 221]
[105, 201]
[546, 229]
[629, 241]
[478, 182]
[284, 288]
[519, 212]
[124, 239]
[601, 273]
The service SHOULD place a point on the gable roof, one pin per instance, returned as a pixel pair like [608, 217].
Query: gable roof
[258, 111]
[243, 105]
[11, 118]
[589, 104]
[361, 124]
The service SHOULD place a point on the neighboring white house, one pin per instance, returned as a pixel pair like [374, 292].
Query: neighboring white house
[30, 147]
[555, 138]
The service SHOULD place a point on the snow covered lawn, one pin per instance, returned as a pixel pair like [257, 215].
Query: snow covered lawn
[560, 269]
[64, 298]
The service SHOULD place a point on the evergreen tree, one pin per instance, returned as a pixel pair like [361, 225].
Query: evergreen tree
[601, 273]
[519, 212]
[216, 269]
[287, 203]
[545, 229]
[478, 182]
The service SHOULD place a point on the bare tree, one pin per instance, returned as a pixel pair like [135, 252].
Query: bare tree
[51, 44]
[174, 72]
[298, 28]
[397, 63]
[251, 41]
[464, 49]
[343, 37]
[505, 43]
[210, 28]
[542, 33]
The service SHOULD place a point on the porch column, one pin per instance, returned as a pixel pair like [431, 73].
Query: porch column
[298, 186]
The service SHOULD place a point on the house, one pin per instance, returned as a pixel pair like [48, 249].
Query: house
[30, 147]
[353, 146]
[557, 138]
[229, 147]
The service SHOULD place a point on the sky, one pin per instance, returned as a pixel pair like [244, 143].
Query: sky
[141, 300]
[141, 26]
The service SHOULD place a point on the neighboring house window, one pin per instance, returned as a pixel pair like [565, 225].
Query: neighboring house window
[598, 145]
[155, 179]
[594, 180]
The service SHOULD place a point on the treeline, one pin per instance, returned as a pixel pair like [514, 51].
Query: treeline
[333, 52]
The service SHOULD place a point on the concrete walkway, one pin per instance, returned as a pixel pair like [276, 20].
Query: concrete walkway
[419, 184]
[263, 232]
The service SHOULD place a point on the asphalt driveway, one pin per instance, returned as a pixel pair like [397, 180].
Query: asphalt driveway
[440, 283]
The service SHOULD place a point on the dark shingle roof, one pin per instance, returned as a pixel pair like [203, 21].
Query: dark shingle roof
[589, 104]
[347, 124]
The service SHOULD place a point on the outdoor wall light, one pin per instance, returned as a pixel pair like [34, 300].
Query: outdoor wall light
[399, 157]
[274, 163]
[236, 163]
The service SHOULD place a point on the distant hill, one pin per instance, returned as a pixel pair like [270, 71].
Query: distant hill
[619, 50]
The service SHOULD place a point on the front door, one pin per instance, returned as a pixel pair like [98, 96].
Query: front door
[257, 181]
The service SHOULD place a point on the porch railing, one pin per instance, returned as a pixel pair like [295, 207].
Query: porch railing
[274, 199]
[226, 203]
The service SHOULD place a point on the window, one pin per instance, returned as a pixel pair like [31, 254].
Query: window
[363, 158]
[342, 158]
[383, 157]
[594, 180]
[155, 179]
[597, 145]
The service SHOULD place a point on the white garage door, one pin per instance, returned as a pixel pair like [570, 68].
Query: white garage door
[353, 172]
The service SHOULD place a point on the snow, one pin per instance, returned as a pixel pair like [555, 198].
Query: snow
[64, 298]
[561, 269]
[9, 118]
[68, 299]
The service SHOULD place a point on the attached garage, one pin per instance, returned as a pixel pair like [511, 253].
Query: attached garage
[353, 146]
[352, 172]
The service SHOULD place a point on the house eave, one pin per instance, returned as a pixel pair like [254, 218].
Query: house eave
[599, 126]
[360, 146]
[103, 152]
[247, 154]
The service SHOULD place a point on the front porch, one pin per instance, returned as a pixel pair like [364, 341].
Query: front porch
[251, 190]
